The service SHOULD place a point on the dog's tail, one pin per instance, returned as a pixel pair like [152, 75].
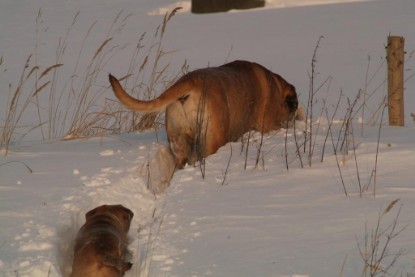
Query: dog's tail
[176, 92]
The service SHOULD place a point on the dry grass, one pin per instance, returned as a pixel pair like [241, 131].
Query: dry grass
[376, 251]
[77, 108]
[20, 98]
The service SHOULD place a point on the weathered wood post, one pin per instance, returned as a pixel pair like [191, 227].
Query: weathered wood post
[214, 6]
[395, 58]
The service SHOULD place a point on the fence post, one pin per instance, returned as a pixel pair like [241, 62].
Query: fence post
[395, 58]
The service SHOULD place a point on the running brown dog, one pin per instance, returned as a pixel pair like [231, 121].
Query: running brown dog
[207, 108]
[101, 243]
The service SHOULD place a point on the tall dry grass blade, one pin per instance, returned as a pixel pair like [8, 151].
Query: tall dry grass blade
[75, 18]
[173, 12]
[144, 63]
[101, 47]
[38, 108]
[390, 206]
[125, 77]
[35, 68]
[167, 18]
[40, 88]
[47, 70]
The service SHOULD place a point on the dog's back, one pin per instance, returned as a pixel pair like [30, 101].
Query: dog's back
[101, 244]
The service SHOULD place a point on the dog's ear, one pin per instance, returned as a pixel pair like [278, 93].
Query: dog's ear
[130, 214]
[91, 213]
[127, 216]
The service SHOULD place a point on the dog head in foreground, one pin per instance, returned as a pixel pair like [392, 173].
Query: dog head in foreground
[101, 246]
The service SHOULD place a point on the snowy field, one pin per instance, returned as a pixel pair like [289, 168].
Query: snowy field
[265, 220]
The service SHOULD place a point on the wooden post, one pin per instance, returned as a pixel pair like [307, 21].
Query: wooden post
[214, 6]
[395, 58]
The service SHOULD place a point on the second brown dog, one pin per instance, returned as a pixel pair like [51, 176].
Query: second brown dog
[101, 243]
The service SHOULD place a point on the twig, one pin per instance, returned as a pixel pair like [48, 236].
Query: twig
[259, 148]
[227, 166]
[297, 145]
[377, 148]
[247, 148]
[285, 145]
[310, 103]
[356, 164]
[364, 96]
[22, 163]
[330, 124]
[376, 248]
[338, 164]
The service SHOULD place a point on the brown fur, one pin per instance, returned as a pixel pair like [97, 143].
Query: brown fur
[207, 108]
[101, 243]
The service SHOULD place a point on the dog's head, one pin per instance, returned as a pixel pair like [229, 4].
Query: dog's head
[122, 214]
[291, 100]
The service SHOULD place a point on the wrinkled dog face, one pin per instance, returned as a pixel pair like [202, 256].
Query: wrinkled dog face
[101, 243]
[123, 214]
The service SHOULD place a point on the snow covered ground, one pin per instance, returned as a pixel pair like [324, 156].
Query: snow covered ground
[264, 220]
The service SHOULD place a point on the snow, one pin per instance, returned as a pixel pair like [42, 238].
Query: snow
[264, 220]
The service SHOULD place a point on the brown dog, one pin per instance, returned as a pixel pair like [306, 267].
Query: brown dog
[209, 107]
[101, 243]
